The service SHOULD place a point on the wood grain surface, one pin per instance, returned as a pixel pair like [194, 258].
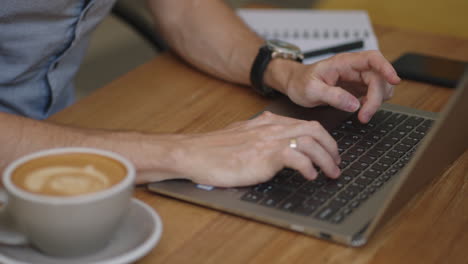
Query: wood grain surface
[168, 96]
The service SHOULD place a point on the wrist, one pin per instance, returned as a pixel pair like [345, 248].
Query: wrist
[158, 154]
[278, 73]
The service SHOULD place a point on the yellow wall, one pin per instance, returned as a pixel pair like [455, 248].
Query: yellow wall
[447, 17]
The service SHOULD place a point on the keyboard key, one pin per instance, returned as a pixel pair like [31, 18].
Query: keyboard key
[275, 197]
[356, 150]
[307, 190]
[252, 196]
[365, 143]
[416, 135]
[402, 147]
[396, 118]
[410, 141]
[326, 212]
[380, 116]
[338, 218]
[343, 164]
[337, 135]
[349, 157]
[362, 180]
[392, 171]
[354, 189]
[332, 187]
[398, 134]
[352, 138]
[368, 159]
[360, 166]
[350, 172]
[390, 140]
[345, 144]
[305, 209]
[292, 202]
[380, 166]
[381, 131]
[372, 173]
[283, 175]
[414, 120]
[364, 195]
[339, 202]
[387, 160]
[347, 211]
[264, 188]
[405, 128]
[377, 184]
[373, 137]
[296, 181]
[374, 152]
[322, 195]
[383, 146]
[355, 204]
[395, 153]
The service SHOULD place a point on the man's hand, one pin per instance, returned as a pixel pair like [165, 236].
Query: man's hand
[347, 81]
[251, 152]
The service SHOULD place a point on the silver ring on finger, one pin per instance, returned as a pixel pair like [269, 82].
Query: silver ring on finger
[293, 143]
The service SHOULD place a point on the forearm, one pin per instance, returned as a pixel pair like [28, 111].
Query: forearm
[148, 152]
[209, 35]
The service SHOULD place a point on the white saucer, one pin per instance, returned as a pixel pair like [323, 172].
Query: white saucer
[139, 233]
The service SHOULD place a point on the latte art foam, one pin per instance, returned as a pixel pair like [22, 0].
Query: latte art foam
[64, 180]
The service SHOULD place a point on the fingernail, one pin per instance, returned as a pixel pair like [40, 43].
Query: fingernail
[353, 105]
[314, 176]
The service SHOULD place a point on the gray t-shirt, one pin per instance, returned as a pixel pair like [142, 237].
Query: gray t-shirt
[42, 43]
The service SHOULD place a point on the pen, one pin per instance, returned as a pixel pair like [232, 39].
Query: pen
[335, 49]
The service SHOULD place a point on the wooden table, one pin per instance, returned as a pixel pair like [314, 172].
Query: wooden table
[166, 95]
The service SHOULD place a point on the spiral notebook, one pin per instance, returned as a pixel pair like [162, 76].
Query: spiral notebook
[312, 29]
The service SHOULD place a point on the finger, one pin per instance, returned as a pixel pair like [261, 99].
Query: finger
[279, 127]
[318, 155]
[388, 92]
[333, 95]
[300, 162]
[374, 98]
[374, 61]
[314, 130]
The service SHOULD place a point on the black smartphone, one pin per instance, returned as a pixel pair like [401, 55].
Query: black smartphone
[430, 69]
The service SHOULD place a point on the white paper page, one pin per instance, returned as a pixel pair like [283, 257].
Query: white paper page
[312, 29]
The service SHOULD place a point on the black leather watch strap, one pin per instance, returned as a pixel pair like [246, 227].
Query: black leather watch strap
[258, 70]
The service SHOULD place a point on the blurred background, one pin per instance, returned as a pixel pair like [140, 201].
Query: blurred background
[117, 48]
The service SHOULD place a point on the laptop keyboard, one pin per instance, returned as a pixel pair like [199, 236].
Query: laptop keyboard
[370, 155]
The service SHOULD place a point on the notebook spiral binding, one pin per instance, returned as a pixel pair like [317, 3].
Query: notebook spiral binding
[314, 34]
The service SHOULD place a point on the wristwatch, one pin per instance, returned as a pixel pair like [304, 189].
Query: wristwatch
[272, 49]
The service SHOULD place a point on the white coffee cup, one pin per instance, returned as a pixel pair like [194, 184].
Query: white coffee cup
[64, 226]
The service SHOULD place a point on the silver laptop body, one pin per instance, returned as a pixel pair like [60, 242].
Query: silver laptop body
[446, 140]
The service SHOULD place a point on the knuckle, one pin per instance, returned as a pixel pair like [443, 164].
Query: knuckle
[272, 129]
[266, 115]
[315, 125]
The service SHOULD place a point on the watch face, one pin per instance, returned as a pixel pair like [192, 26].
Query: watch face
[284, 49]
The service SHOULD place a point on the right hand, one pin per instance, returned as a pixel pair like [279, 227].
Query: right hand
[251, 152]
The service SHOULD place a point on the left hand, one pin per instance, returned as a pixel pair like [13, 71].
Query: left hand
[347, 81]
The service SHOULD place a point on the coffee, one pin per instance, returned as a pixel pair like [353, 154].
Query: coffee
[68, 174]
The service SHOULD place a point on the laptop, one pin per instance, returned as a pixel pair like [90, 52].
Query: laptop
[384, 163]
